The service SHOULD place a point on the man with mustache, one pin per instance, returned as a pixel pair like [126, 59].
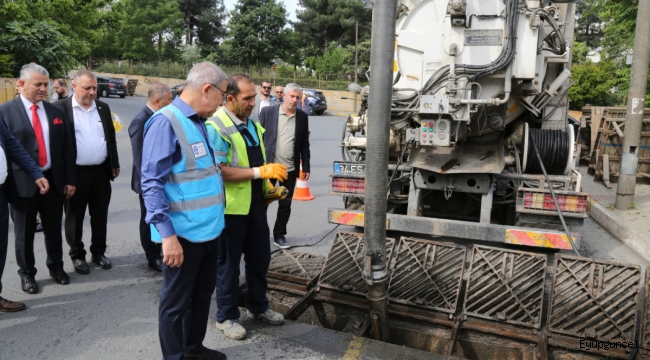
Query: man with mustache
[238, 143]
[42, 130]
[97, 164]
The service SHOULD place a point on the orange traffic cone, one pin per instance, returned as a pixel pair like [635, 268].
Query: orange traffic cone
[302, 189]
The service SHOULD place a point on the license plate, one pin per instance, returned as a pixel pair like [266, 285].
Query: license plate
[349, 168]
[120, 92]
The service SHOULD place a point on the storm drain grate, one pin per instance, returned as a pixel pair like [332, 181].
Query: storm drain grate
[427, 274]
[344, 266]
[594, 299]
[645, 336]
[295, 266]
[506, 286]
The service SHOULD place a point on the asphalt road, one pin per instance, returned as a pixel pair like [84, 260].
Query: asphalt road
[112, 314]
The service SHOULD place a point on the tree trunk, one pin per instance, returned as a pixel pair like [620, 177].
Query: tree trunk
[159, 47]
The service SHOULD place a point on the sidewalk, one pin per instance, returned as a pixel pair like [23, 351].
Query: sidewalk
[632, 226]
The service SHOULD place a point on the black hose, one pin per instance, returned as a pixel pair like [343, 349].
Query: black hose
[554, 148]
[557, 205]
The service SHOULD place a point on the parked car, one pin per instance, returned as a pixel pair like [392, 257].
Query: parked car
[110, 86]
[317, 101]
[177, 90]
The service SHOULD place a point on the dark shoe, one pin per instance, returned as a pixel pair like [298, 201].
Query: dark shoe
[11, 306]
[156, 264]
[102, 261]
[29, 285]
[281, 242]
[39, 226]
[206, 354]
[60, 277]
[81, 266]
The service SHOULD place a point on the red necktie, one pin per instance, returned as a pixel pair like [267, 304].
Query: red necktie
[40, 140]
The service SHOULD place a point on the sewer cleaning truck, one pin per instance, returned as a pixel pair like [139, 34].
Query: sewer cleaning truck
[480, 144]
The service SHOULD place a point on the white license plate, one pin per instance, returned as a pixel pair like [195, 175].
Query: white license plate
[349, 168]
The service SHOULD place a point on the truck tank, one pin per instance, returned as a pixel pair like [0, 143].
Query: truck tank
[477, 83]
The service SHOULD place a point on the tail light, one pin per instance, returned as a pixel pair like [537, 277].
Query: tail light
[544, 201]
[348, 185]
[111, 86]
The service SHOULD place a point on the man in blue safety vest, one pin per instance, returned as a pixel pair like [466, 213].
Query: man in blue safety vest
[182, 187]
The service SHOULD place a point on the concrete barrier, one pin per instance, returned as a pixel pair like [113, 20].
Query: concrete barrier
[338, 102]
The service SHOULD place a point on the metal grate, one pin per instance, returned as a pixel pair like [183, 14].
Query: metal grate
[344, 266]
[506, 286]
[427, 274]
[594, 299]
[295, 266]
[645, 336]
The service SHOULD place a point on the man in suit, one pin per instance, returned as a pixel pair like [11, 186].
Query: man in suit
[287, 143]
[42, 130]
[97, 163]
[159, 96]
[263, 101]
[11, 152]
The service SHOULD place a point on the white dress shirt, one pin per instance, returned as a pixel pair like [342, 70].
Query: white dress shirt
[264, 103]
[45, 125]
[89, 132]
[3, 166]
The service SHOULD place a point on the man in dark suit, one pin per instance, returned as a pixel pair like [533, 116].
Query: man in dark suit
[92, 128]
[11, 152]
[159, 96]
[42, 130]
[287, 143]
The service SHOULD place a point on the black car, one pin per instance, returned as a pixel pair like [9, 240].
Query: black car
[177, 90]
[110, 86]
[317, 101]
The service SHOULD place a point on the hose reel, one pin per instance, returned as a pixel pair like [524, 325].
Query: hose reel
[555, 147]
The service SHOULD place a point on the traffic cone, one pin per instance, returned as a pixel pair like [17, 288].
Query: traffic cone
[301, 192]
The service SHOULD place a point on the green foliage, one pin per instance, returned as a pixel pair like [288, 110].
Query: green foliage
[593, 83]
[37, 41]
[146, 25]
[6, 65]
[580, 52]
[325, 21]
[191, 55]
[589, 27]
[335, 61]
[211, 29]
[257, 34]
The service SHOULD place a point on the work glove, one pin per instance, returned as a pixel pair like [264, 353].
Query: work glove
[274, 171]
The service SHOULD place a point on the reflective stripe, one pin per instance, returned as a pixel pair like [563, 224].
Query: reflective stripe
[193, 175]
[190, 162]
[189, 205]
[229, 130]
[220, 153]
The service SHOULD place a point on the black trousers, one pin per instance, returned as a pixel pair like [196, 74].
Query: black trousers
[24, 210]
[93, 192]
[185, 299]
[284, 206]
[152, 250]
[4, 233]
[248, 235]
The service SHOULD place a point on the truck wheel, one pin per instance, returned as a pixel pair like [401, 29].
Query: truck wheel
[122, 96]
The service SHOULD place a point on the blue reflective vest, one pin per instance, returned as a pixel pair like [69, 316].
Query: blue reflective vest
[194, 189]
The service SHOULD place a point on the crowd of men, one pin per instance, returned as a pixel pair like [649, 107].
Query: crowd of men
[202, 166]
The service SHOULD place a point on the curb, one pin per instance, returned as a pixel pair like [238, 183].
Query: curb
[610, 222]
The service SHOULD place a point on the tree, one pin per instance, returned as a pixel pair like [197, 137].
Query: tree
[146, 25]
[211, 31]
[257, 34]
[593, 83]
[325, 21]
[37, 41]
[589, 26]
[336, 60]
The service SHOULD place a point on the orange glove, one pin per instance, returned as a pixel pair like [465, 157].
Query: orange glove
[274, 171]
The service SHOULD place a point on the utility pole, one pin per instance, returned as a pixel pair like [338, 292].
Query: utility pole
[356, 60]
[379, 105]
[635, 107]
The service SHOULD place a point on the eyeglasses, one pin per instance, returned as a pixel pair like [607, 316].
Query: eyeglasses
[216, 87]
[266, 87]
[278, 92]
